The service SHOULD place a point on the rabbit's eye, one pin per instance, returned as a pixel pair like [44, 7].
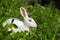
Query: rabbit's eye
[30, 20]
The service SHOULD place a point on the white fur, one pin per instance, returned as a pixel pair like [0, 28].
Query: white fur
[22, 25]
[18, 23]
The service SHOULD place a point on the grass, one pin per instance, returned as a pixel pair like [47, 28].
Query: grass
[47, 19]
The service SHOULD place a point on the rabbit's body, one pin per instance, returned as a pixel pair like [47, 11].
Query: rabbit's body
[22, 25]
[9, 21]
[18, 23]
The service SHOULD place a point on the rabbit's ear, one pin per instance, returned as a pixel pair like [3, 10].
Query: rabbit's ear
[23, 12]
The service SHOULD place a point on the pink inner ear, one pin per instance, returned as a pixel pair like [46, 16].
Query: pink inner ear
[23, 12]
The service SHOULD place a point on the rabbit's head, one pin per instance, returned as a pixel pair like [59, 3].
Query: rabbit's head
[27, 21]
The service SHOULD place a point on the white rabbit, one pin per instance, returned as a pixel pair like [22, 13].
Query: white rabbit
[22, 25]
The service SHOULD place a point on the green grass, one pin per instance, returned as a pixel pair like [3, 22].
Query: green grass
[47, 19]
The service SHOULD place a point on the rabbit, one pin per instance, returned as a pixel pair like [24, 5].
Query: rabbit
[22, 25]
